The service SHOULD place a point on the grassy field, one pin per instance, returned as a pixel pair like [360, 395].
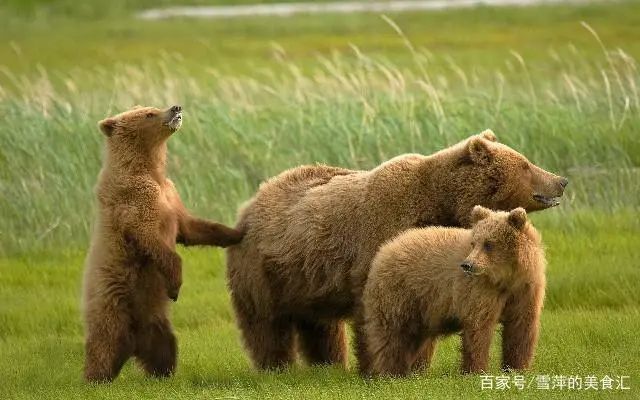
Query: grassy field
[560, 84]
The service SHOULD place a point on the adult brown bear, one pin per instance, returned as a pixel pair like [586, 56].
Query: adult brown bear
[312, 231]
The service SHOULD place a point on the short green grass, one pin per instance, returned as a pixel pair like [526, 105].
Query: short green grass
[353, 91]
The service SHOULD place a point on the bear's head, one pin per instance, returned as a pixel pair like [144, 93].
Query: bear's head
[141, 128]
[505, 248]
[494, 175]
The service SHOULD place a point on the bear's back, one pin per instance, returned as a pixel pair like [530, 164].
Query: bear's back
[422, 254]
[290, 212]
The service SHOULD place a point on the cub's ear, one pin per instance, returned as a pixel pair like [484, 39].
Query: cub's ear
[479, 213]
[518, 218]
[489, 135]
[107, 126]
[479, 150]
[136, 107]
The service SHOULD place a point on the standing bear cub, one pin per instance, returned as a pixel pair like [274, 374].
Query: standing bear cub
[132, 268]
[431, 282]
[312, 231]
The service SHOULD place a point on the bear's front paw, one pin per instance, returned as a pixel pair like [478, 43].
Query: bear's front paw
[173, 277]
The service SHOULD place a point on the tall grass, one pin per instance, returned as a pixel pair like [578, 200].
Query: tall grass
[581, 121]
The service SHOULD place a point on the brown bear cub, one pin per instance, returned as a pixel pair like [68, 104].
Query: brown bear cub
[430, 282]
[132, 268]
[312, 231]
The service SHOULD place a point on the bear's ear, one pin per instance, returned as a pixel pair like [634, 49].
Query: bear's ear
[518, 218]
[107, 126]
[479, 213]
[479, 150]
[489, 135]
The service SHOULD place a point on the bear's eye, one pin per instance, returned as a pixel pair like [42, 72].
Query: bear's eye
[150, 115]
[487, 246]
[525, 166]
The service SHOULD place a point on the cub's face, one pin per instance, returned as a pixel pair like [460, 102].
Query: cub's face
[147, 126]
[495, 238]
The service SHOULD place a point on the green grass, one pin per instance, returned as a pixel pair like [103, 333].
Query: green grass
[480, 38]
[351, 111]
[263, 95]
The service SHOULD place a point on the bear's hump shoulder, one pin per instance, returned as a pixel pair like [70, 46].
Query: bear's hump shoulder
[401, 160]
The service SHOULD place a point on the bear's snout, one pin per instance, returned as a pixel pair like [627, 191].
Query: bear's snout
[173, 117]
[563, 182]
[467, 266]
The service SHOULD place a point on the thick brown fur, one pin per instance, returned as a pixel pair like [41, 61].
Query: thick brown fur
[132, 268]
[430, 282]
[312, 231]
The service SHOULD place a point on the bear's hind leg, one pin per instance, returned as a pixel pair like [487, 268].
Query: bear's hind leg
[108, 345]
[269, 341]
[392, 349]
[391, 358]
[323, 342]
[156, 348]
[424, 355]
[267, 332]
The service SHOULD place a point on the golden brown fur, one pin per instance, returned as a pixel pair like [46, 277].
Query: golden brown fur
[312, 231]
[429, 282]
[132, 268]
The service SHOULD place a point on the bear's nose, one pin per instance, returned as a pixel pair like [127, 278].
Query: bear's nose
[176, 109]
[564, 182]
[466, 266]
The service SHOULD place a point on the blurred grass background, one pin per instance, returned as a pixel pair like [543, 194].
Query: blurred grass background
[558, 83]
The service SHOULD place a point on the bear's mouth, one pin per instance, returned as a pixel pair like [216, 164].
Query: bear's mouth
[546, 201]
[176, 122]
[471, 273]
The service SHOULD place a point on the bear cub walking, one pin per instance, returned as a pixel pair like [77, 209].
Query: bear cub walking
[431, 282]
[132, 268]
